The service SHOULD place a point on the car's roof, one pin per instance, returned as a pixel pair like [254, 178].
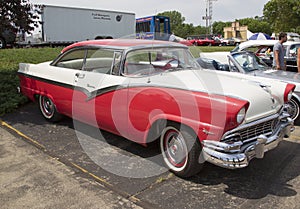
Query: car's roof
[123, 43]
[292, 43]
[254, 43]
[250, 43]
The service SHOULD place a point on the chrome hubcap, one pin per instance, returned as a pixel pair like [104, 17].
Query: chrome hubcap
[47, 106]
[176, 149]
[293, 109]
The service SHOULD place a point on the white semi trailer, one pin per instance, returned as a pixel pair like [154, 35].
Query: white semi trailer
[64, 25]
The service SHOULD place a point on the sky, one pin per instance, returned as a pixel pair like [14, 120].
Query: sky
[191, 10]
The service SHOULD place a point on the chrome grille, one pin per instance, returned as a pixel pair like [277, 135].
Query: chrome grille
[252, 132]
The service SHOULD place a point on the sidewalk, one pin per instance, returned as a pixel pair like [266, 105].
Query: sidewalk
[31, 179]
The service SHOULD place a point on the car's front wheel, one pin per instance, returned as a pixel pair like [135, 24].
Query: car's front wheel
[181, 150]
[48, 109]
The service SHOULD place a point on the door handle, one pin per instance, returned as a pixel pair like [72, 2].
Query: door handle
[80, 75]
[90, 86]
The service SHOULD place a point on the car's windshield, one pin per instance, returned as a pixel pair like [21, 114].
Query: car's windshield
[249, 62]
[236, 49]
[155, 60]
[292, 50]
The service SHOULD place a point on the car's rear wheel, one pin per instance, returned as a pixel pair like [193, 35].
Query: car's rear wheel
[293, 110]
[2, 43]
[48, 109]
[181, 150]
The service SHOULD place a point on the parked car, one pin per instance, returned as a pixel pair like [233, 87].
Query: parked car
[203, 41]
[154, 90]
[261, 47]
[232, 41]
[221, 41]
[291, 36]
[7, 37]
[183, 41]
[248, 63]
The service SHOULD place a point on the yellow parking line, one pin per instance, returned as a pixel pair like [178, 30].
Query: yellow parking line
[22, 135]
[91, 174]
[134, 199]
[43, 147]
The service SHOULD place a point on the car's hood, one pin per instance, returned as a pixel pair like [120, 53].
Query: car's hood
[286, 76]
[265, 98]
[218, 56]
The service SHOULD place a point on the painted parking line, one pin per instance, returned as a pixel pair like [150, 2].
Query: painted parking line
[103, 182]
[71, 164]
[40, 146]
[90, 174]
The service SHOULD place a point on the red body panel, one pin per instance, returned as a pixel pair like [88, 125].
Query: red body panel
[202, 42]
[61, 95]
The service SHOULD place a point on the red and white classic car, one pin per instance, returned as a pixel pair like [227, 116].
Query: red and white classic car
[154, 90]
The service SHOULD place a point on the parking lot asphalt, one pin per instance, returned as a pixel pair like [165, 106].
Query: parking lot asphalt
[45, 165]
[29, 178]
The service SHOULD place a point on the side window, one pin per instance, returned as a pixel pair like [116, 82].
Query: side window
[139, 62]
[293, 50]
[99, 60]
[72, 60]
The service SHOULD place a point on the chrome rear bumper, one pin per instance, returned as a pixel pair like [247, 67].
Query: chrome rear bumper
[238, 154]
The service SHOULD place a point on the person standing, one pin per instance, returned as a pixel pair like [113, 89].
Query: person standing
[278, 52]
[172, 37]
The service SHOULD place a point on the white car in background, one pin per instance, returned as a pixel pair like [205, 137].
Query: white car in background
[260, 48]
[293, 36]
[248, 63]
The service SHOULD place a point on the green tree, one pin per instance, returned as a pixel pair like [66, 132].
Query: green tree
[257, 24]
[17, 14]
[185, 30]
[199, 30]
[218, 27]
[176, 21]
[283, 15]
[179, 28]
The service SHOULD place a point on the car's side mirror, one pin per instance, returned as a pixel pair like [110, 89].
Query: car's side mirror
[234, 69]
[224, 67]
